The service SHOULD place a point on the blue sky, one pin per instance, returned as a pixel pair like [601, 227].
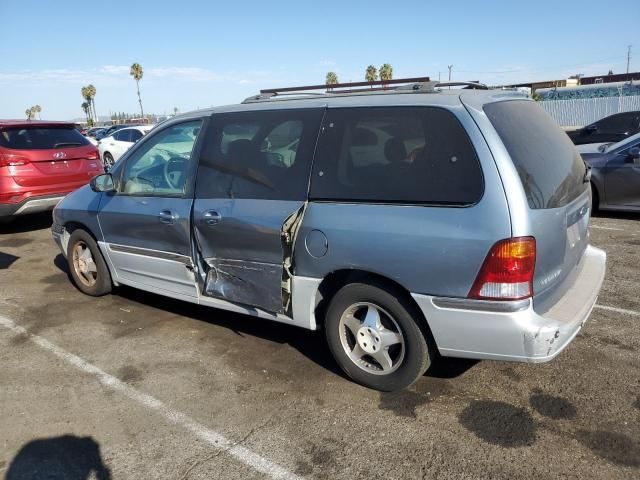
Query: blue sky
[202, 53]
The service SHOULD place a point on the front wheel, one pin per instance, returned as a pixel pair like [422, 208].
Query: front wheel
[108, 160]
[374, 337]
[88, 269]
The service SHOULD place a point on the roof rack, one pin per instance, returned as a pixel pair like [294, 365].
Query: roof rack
[400, 85]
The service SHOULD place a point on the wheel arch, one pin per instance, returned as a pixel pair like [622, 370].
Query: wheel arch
[337, 279]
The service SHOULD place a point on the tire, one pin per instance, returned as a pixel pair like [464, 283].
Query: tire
[87, 266]
[346, 320]
[107, 160]
[595, 198]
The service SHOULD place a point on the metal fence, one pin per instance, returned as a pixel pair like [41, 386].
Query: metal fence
[583, 111]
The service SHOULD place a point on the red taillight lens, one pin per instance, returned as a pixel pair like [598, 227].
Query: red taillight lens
[93, 155]
[507, 272]
[12, 160]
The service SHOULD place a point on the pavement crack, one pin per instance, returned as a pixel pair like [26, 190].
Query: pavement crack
[245, 437]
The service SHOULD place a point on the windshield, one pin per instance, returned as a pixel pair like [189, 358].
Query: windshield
[41, 138]
[622, 143]
[550, 168]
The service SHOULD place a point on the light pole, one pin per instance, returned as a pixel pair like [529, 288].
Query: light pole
[449, 67]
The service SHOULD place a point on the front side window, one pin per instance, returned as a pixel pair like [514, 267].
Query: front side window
[160, 166]
[411, 155]
[122, 136]
[258, 155]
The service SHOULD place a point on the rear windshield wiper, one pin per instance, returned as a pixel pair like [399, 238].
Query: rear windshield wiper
[67, 144]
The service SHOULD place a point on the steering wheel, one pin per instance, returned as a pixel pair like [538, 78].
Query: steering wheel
[174, 172]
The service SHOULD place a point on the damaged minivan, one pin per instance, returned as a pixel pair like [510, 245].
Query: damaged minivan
[405, 223]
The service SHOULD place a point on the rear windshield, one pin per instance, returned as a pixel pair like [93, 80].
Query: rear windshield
[550, 168]
[41, 138]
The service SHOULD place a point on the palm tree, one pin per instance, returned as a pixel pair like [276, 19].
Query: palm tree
[136, 72]
[386, 72]
[371, 75]
[91, 90]
[29, 113]
[87, 98]
[85, 108]
[331, 79]
[37, 109]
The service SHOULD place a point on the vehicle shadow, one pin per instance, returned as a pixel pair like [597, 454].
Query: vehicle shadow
[309, 343]
[617, 215]
[67, 456]
[27, 223]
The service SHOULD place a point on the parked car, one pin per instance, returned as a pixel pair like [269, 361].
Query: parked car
[112, 147]
[402, 223]
[94, 130]
[615, 175]
[609, 129]
[40, 162]
[110, 130]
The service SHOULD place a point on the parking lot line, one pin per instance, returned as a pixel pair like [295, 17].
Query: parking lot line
[213, 438]
[605, 228]
[618, 310]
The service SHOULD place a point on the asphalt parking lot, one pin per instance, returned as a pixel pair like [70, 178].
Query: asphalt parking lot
[133, 385]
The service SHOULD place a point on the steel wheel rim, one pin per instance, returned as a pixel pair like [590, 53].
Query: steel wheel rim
[84, 265]
[371, 338]
[108, 160]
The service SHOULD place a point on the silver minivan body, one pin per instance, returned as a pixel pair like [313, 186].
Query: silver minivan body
[277, 258]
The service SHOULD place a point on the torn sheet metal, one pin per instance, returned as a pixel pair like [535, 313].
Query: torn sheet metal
[249, 283]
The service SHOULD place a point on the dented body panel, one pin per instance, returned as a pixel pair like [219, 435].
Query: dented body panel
[244, 251]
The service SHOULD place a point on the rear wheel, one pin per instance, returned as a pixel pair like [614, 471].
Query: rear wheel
[374, 337]
[108, 160]
[88, 269]
[595, 199]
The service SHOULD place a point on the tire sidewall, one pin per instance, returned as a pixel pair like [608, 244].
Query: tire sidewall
[417, 355]
[103, 283]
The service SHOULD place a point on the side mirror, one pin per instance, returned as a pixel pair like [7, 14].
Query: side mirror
[103, 183]
[634, 153]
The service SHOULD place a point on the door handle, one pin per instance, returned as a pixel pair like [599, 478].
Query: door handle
[211, 217]
[167, 217]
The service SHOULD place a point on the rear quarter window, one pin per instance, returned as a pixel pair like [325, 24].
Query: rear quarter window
[548, 164]
[41, 138]
[406, 155]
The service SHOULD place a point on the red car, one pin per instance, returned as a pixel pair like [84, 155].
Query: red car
[40, 162]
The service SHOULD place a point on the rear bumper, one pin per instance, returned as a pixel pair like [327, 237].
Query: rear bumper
[30, 205]
[514, 331]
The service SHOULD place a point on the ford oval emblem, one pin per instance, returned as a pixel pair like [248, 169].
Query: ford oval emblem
[59, 155]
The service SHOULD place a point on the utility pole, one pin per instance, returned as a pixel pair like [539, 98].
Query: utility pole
[628, 57]
[449, 67]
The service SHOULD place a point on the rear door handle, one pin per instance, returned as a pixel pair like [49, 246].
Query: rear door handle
[211, 217]
[167, 217]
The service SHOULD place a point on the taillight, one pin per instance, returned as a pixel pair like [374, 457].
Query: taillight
[507, 272]
[93, 155]
[12, 160]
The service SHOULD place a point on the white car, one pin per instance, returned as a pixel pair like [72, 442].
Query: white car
[114, 146]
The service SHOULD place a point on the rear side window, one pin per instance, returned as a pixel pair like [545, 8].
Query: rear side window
[396, 155]
[258, 155]
[41, 138]
[550, 168]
